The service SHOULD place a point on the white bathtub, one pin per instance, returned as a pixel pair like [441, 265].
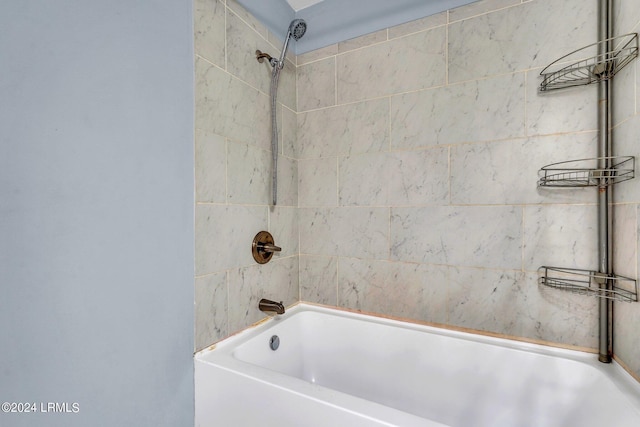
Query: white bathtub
[336, 368]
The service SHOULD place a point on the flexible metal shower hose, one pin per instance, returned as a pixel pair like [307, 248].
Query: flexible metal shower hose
[275, 76]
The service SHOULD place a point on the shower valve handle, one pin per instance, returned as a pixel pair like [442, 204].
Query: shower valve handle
[268, 247]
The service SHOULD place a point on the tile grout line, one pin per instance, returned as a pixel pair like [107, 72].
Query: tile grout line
[226, 170]
[226, 41]
[446, 50]
[525, 131]
[635, 226]
[522, 240]
[389, 128]
[335, 80]
[337, 284]
[227, 280]
[450, 172]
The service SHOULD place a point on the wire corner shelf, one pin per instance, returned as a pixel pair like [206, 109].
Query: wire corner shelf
[590, 64]
[587, 282]
[588, 172]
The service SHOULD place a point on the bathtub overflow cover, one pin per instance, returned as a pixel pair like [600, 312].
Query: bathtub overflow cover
[274, 342]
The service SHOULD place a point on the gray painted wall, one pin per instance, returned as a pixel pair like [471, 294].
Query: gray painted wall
[96, 211]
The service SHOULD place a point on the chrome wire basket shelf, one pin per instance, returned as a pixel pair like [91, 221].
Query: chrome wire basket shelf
[586, 173]
[586, 282]
[585, 66]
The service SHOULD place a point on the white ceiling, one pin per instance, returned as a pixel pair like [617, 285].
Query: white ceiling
[301, 4]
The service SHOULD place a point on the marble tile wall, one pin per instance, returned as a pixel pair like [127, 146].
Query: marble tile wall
[419, 148]
[233, 172]
[409, 161]
[626, 219]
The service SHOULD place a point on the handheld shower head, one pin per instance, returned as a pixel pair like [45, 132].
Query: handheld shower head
[297, 28]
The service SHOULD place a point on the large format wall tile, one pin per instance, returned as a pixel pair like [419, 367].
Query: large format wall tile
[250, 180]
[287, 93]
[625, 240]
[466, 236]
[288, 132]
[479, 8]
[474, 111]
[210, 309]
[569, 110]
[562, 317]
[507, 172]
[362, 232]
[364, 180]
[353, 232]
[412, 291]
[625, 143]
[317, 54]
[513, 303]
[318, 182]
[417, 25]
[283, 225]
[319, 279]
[418, 177]
[395, 179]
[226, 106]
[626, 16]
[561, 236]
[209, 35]
[242, 44]
[347, 129]
[409, 63]
[247, 17]
[627, 338]
[627, 316]
[277, 281]
[486, 300]
[316, 84]
[519, 38]
[287, 181]
[224, 234]
[210, 167]
[363, 41]
[624, 100]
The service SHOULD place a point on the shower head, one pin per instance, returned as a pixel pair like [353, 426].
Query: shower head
[297, 28]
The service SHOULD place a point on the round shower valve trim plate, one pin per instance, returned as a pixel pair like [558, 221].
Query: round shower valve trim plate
[263, 247]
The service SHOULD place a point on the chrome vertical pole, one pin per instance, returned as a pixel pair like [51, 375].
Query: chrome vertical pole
[604, 151]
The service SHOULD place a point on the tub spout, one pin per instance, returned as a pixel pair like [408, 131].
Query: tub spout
[269, 306]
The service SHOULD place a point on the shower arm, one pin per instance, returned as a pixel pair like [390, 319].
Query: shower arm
[261, 56]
